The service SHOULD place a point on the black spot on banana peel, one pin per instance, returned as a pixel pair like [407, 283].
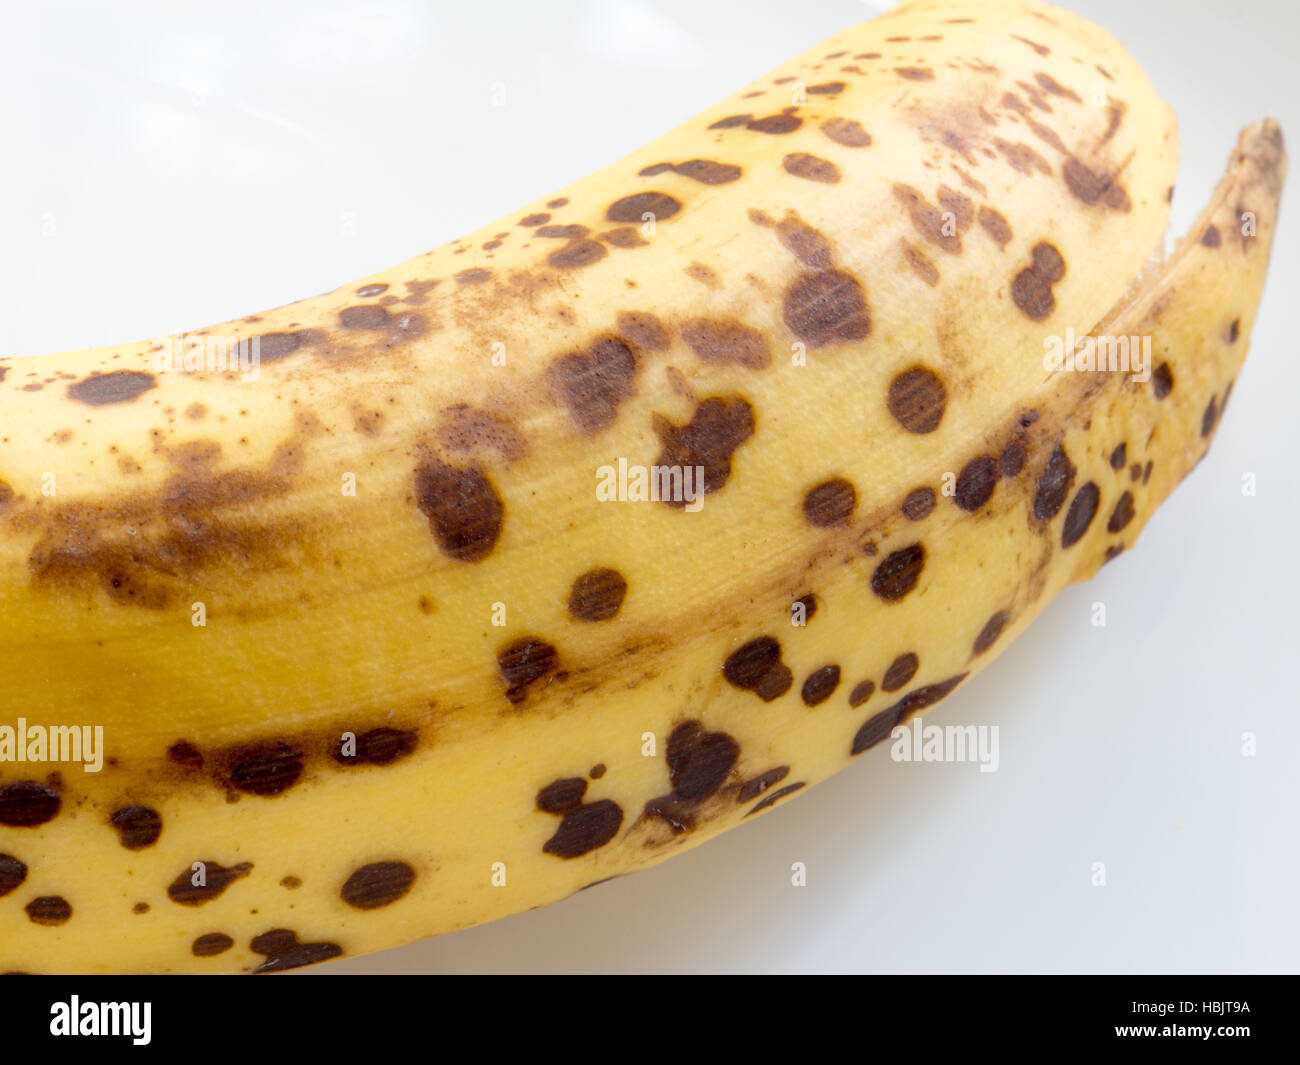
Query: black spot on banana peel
[550, 686]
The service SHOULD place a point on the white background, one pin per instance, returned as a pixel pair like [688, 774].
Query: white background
[196, 161]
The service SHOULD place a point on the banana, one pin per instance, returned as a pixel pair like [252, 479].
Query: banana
[563, 548]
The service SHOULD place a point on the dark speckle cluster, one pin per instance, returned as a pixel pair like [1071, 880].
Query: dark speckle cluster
[879, 726]
[585, 826]
[757, 667]
[283, 951]
[524, 663]
[1031, 289]
[699, 764]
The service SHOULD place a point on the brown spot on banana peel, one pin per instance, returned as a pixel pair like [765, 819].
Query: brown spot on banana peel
[811, 168]
[197, 886]
[569, 232]
[584, 826]
[705, 171]
[756, 666]
[28, 803]
[137, 826]
[642, 330]
[526, 662]
[900, 672]
[801, 240]
[919, 503]
[825, 308]
[378, 884]
[378, 746]
[830, 503]
[641, 206]
[464, 509]
[481, 434]
[775, 125]
[49, 910]
[708, 442]
[1094, 188]
[117, 386]
[995, 225]
[284, 951]
[847, 132]
[139, 548]
[699, 764]
[880, 725]
[989, 634]
[593, 383]
[1022, 157]
[576, 254]
[1031, 288]
[597, 595]
[928, 220]
[820, 685]
[726, 341]
[210, 944]
[920, 263]
[266, 769]
[12, 874]
[268, 765]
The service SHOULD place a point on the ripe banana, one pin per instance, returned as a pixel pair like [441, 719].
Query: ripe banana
[409, 629]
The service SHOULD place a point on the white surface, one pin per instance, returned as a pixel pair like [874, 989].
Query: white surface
[168, 165]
